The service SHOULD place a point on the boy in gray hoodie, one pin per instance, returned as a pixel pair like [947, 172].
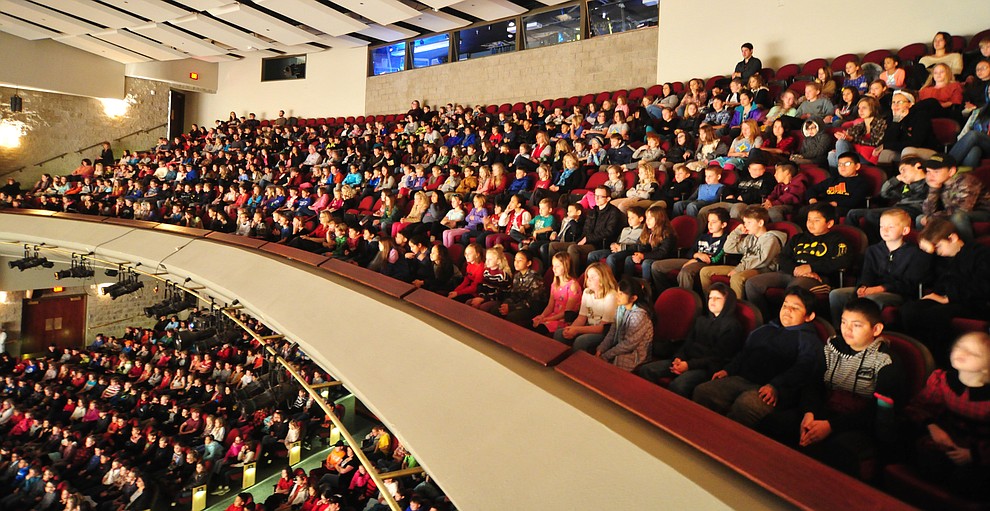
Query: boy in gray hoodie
[759, 248]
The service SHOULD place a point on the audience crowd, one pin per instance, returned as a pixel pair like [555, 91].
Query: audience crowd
[137, 422]
[836, 193]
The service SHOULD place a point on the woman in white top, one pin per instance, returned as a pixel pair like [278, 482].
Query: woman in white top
[597, 310]
[941, 44]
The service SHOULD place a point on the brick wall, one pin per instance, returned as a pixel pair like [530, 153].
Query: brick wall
[62, 123]
[619, 61]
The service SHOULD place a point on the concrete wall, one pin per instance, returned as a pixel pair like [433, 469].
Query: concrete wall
[334, 85]
[795, 31]
[624, 60]
[62, 123]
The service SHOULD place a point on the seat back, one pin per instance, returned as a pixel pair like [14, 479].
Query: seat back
[686, 227]
[787, 72]
[876, 57]
[748, 316]
[945, 131]
[839, 63]
[912, 52]
[790, 228]
[914, 357]
[675, 308]
[876, 177]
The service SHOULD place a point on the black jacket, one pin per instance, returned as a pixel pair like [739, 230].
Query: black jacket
[898, 272]
[827, 254]
[712, 343]
[602, 226]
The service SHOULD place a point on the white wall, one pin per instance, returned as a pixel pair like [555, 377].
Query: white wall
[334, 85]
[51, 66]
[176, 73]
[701, 38]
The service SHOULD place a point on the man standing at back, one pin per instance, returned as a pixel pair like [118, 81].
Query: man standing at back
[749, 65]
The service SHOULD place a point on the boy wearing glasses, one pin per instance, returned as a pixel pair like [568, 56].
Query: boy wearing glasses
[846, 191]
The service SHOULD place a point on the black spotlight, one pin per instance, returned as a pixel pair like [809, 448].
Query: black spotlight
[30, 260]
[80, 269]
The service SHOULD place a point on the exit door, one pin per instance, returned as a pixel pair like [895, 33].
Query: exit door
[60, 320]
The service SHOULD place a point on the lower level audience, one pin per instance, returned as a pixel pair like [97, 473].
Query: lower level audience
[137, 422]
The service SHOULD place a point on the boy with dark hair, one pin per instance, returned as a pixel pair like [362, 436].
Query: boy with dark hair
[961, 288]
[907, 191]
[788, 193]
[811, 259]
[775, 364]
[845, 191]
[849, 410]
[892, 269]
[708, 249]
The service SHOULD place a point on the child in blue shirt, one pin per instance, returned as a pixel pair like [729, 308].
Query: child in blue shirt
[706, 194]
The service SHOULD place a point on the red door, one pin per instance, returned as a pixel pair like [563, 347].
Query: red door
[53, 319]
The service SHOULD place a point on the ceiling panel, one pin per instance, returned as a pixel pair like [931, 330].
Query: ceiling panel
[94, 12]
[389, 33]
[439, 4]
[381, 11]
[203, 5]
[262, 24]
[46, 17]
[344, 41]
[24, 30]
[140, 44]
[213, 29]
[552, 2]
[323, 18]
[488, 9]
[102, 48]
[437, 21]
[217, 58]
[154, 10]
[295, 49]
[171, 36]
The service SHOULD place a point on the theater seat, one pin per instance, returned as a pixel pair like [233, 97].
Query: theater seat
[712, 81]
[974, 43]
[637, 94]
[675, 308]
[876, 56]
[748, 316]
[876, 177]
[912, 52]
[686, 227]
[945, 131]
[787, 73]
[915, 359]
[906, 484]
[810, 68]
[839, 63]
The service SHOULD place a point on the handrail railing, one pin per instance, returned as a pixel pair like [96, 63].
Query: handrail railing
[63, 155]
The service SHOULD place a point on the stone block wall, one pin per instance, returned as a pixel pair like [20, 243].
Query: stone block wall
[62, 123]
[619, 61]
